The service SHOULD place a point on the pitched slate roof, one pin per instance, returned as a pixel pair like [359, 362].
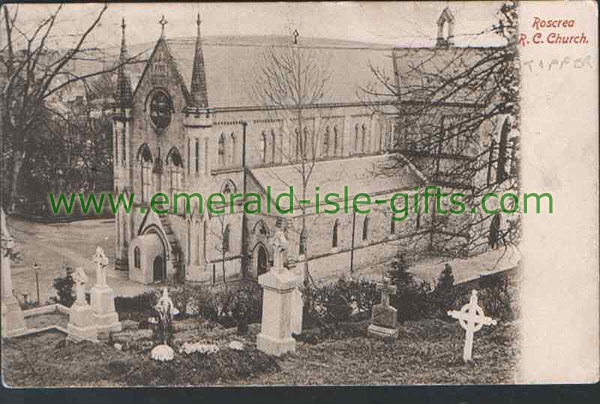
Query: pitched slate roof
[231, 65]
[362, 174]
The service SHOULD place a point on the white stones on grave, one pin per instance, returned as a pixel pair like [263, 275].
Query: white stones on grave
[102, 297]
[236, 346]
[278, 284]
[163, 353]
[82, 325]
[384, 317]
[13, 322]
[471, 319]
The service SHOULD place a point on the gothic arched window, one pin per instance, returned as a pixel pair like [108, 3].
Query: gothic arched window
[196, 156]
[503, 151]
[334, 235]
[392, 226]
[273, 145]
[228, 187]
[364, 140]
[226, 239]
[175, 166]
[233, 149]
[297, 143]
[144, 156]
[355, 138]
[325, 151]
[305, 143]
[365, 230]
[335, 140]
[136, 257]
[221, 150]
[263, 147]
[303, 237]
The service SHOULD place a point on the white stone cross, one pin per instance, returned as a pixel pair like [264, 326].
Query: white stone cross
[280, 246]
[386, 289]
[80, 278]
[101, 261]
[471, 318]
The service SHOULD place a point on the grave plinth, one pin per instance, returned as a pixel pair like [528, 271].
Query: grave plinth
[297, 302]
[82, 324]
[102, 297]
[278, 284]
[384, 317]
[13, 322]
[103, 306]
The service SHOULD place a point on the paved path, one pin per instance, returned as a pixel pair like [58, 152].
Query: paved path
[50, 245]
[463, 269]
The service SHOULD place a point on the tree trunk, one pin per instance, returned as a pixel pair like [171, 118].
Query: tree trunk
[14, 186]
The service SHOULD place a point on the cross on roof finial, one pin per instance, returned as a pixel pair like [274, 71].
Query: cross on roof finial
[163, 21]
[296, 34]
[198, 21]
[123, 24]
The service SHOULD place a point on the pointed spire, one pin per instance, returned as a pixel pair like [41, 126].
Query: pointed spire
[198, 87]
[123, 95]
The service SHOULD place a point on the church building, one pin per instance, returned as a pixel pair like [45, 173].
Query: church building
[191, 123]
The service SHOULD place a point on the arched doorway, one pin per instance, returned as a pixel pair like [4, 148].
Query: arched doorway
[159, 269]
[155, 248]
[261, 260]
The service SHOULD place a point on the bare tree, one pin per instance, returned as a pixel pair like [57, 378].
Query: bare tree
[449, 100]
[33, 78]
[222, 245]
[292, 82]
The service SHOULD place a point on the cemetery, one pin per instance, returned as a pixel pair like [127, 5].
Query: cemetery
[395, 329]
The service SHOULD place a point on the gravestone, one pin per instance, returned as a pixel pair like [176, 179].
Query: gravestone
[82, 324]
[102, 297]
[384, 317]
[297, 302]
[13, 322]
[166, 310]
[471, 318]
[278, 284]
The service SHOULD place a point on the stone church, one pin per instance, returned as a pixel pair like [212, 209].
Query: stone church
[189, 122]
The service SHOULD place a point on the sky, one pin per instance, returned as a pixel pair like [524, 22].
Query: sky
[392, 23]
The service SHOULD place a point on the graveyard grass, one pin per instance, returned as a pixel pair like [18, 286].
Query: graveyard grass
[426, 352]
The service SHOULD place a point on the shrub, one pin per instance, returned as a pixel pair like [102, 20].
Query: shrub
[444, 295]
[498, 300]
[142, 303]
[246, 306]
[64, 288]
[182, 296]
[338, 302]
[228, 307]
[446, 280]
[399, 271]
[412, 298]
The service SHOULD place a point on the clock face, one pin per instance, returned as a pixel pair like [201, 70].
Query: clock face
[160, 110]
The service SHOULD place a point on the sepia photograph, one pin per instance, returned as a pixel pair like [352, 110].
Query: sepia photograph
[251, 194]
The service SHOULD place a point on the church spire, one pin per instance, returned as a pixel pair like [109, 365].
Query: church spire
[123, 95]
[198, 87]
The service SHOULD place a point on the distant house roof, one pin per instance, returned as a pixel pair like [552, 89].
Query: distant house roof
[362, 174]
[232, 65]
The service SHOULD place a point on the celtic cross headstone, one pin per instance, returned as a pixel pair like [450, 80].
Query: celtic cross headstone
[471, 318]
